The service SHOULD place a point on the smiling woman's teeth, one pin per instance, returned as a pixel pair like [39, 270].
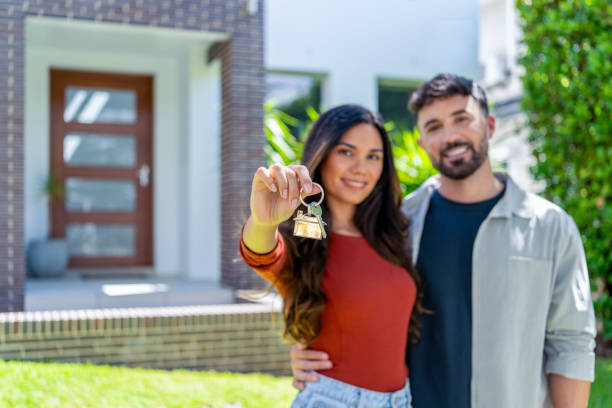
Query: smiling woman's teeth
[456, 152]
[354, 184]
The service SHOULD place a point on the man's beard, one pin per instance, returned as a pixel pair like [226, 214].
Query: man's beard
[462, 168]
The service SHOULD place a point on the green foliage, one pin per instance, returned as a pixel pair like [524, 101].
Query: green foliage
[34, 385]
[283, 147]
[53, 187]
[601, 389]
[568, 100]
[412, 163]
[27, 384]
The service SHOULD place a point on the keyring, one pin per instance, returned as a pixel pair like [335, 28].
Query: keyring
[322, 195]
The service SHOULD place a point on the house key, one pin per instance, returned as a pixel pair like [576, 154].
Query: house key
[315, 209]
[310, 225]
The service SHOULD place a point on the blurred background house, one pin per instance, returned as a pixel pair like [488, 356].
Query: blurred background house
[149, 114]
[499, 47]
[370, 53]
[130, 130]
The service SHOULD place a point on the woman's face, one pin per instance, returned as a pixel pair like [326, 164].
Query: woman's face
[352, 168]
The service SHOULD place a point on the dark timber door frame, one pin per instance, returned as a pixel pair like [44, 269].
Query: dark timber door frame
[136, 175]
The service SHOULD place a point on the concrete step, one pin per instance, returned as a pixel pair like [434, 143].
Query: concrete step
[73, 292]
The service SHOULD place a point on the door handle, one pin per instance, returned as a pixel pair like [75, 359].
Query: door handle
[143, 175]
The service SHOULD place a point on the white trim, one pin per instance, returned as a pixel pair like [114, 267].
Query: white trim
[129, 29]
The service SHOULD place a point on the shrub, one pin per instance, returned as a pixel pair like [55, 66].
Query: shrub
[411, 162]
[284, 147]
[568, 101]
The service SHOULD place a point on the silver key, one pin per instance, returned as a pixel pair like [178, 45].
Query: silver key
[316, 210]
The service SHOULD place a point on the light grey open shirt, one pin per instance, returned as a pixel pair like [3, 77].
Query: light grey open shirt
[532, 313]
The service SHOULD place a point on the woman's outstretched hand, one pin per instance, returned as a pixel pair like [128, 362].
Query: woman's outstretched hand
[275, 193]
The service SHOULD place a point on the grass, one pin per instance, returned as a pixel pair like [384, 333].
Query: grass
[25, 384]
[601, 389]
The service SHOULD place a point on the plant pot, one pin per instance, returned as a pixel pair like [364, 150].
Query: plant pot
[48, 258]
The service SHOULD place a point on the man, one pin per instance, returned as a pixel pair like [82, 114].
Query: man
[503, 273]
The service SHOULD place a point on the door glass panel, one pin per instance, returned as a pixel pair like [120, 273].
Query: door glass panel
[95, 150]
[99, 105]
[100, 240]
[86, 195]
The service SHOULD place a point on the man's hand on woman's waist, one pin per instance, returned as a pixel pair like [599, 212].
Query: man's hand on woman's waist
[304, 361]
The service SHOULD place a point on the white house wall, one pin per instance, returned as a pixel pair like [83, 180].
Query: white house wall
[183, 123]
[357, 42]
[500, 34]
[499, 47]
[203, 158]
[493, 28]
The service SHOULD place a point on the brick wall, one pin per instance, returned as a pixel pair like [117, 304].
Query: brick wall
[243, 82]
[243, 337]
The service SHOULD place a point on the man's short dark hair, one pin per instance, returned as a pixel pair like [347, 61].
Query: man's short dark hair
[444, 86]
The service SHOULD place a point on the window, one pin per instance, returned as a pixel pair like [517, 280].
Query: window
[294, 93]
[393, 97]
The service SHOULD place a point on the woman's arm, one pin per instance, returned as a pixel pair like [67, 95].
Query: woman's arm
[267, 265]
[260, 239]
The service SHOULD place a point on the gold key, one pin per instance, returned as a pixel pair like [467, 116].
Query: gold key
[310, 225]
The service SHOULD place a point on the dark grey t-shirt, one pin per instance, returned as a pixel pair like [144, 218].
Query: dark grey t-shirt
[441, 363]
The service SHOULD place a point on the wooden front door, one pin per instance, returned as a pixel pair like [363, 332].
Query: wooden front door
[101, 152]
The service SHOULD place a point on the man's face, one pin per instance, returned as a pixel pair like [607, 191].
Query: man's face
[455, 134]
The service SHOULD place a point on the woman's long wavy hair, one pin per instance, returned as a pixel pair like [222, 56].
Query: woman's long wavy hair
[379, 219]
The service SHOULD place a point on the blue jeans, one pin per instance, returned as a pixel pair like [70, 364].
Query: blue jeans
[330, 393]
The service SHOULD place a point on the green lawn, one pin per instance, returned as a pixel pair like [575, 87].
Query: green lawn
[38, 385]
[70, 385]
[601, 390]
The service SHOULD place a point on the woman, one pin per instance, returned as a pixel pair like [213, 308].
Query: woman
[351, 294]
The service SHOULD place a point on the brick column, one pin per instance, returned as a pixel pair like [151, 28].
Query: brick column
[12, 254]
[243, 89]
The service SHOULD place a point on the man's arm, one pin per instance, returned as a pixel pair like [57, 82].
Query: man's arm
[303, 361]
[568, 393]
[570, 332]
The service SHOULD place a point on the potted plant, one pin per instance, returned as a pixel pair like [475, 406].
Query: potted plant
[49, 257]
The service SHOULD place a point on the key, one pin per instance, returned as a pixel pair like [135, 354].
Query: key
[316, 210]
